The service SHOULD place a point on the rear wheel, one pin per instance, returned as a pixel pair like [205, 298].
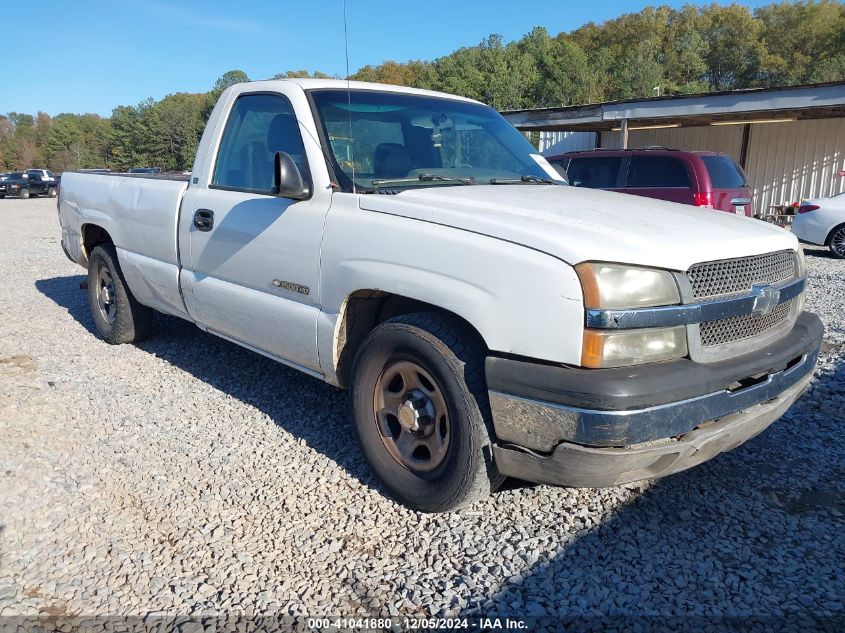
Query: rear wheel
[24, 194]
[836, 243]
[421, 413]
[118, 316]
[51, 192]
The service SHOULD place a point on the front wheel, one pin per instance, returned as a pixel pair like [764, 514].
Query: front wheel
[118, 316]
[421, 414]
[837, 242]
[51, 192]
[24, 194]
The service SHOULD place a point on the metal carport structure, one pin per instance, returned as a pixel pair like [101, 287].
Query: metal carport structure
[790, 141]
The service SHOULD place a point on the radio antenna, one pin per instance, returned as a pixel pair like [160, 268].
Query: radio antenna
[349, 97]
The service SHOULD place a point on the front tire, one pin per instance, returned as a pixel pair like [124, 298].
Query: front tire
[836, 243]
[421, 414]
[51, 192]
[24, 194]
[118, 316]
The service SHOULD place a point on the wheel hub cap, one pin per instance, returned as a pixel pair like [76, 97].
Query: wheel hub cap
[105, 296]
[416, 412]
[412, 416]
[838, 242]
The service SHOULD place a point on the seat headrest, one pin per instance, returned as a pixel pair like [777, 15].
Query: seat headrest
[391, 160]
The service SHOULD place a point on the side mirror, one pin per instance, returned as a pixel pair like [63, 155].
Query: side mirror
[288, 181]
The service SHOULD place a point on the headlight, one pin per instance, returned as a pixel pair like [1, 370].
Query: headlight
[617, 348]
[613, 286]
[619, 287]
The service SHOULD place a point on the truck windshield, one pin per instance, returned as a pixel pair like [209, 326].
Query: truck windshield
[395, 140]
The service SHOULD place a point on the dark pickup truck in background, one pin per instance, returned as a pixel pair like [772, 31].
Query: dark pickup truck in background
[23, 184]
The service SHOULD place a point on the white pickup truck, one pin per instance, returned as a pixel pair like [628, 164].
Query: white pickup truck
[489, 320]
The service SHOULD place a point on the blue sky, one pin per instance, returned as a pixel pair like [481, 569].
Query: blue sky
[92, 55]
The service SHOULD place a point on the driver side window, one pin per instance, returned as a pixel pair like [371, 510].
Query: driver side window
[259, 125]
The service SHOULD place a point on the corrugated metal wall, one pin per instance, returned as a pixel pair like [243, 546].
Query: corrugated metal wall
[786, 161]
[791, 161]
[552, 143]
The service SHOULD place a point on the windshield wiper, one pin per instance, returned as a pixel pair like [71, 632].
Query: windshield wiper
[424, 178]
[526, 179]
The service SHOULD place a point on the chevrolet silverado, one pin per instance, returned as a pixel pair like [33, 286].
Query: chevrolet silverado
[488, 319]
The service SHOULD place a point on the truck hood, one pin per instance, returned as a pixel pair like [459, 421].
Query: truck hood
[576, 224]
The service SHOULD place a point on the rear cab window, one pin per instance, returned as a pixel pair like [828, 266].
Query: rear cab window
[594, 172]
[657, 172]
[724, 172]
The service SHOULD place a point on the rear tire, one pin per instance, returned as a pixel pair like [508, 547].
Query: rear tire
[24, 194]
[118, 316]
[836, 242]
[421, 413]
[51, 192]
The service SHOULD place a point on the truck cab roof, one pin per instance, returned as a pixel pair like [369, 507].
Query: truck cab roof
[307, 83]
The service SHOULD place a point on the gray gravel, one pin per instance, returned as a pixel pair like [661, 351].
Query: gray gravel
[186, 475]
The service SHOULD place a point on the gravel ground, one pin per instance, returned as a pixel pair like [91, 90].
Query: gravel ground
[187, 475]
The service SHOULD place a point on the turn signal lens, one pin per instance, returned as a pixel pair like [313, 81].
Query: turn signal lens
[806, 208]
[609, 348]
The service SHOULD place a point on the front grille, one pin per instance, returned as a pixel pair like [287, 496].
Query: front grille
[736, 276]
[742, 327]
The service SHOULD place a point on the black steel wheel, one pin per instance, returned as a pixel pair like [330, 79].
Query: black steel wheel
[118, 316]
[421, 413]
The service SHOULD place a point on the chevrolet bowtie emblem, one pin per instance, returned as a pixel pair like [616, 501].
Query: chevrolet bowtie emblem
[766, 297]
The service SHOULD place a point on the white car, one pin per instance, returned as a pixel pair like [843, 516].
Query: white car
[822, 222]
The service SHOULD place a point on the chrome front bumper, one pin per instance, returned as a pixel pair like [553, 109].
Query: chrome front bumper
[588, 467]
[581, 427]
[642, 425]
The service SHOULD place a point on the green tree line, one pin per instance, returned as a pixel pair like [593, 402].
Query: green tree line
[688, 50]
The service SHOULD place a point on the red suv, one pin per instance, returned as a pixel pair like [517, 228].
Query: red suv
[703, 179]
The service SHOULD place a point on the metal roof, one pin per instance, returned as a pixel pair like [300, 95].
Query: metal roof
[811, 101]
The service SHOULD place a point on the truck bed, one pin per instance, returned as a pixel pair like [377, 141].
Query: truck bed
[140, 212]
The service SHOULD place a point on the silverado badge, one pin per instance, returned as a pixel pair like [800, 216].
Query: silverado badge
[289, 285]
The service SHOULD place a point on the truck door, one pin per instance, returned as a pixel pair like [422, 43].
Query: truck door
[36, 183]
[252, 269]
